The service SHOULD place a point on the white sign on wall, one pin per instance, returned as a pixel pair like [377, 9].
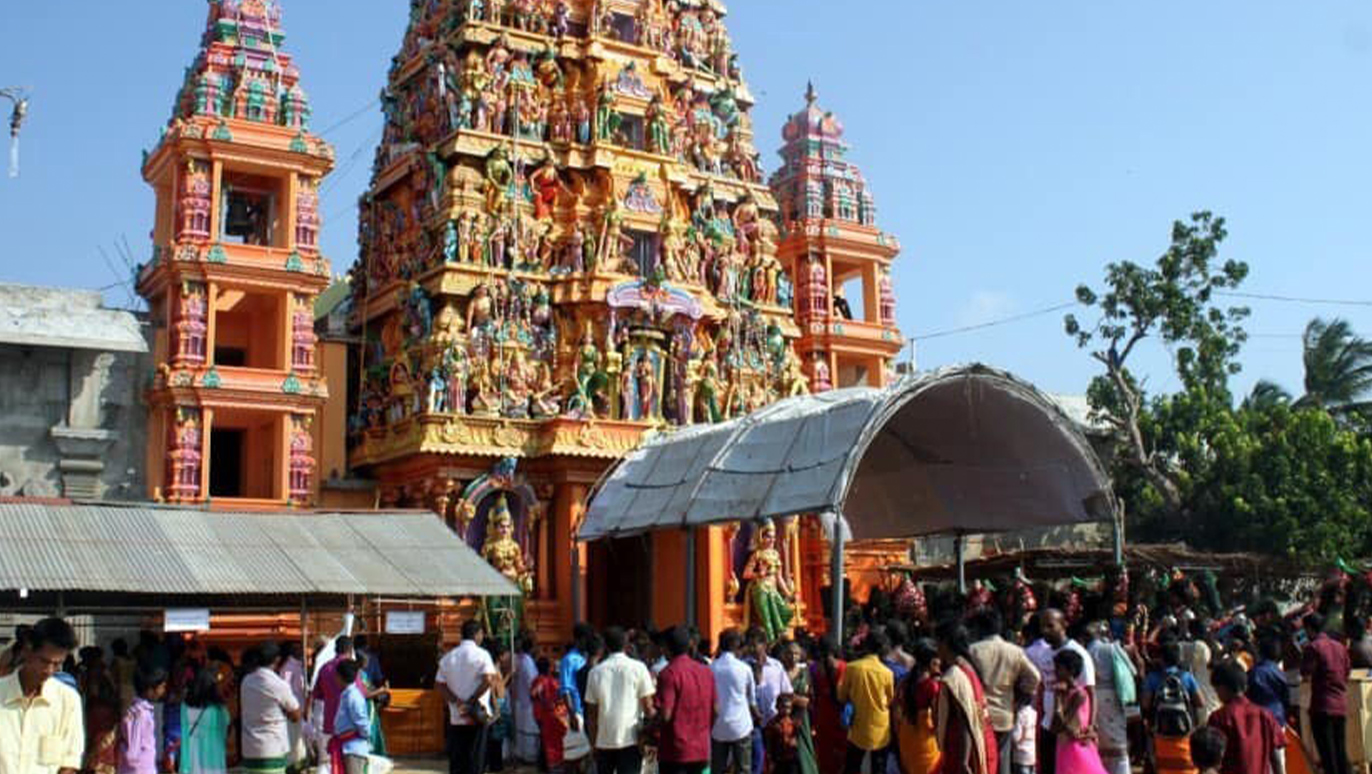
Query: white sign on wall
[404, 622]
[186, 620]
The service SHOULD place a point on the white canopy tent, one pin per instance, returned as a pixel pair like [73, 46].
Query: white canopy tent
[968, 449]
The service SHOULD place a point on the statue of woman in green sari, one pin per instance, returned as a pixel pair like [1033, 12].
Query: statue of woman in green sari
[767, 602]
[505, 554]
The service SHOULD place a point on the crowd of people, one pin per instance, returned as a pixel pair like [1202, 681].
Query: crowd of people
[974, 690]
[170, 704]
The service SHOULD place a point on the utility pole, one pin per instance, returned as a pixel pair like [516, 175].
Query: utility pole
[19, 97]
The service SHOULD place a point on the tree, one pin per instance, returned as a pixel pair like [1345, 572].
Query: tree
[1174, 302]
[1338, 368]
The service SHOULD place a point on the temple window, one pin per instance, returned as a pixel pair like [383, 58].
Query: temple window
[631, 134]
[248, 330]
[244, 447]
[250, 210]
[644, 252]
[624, 28]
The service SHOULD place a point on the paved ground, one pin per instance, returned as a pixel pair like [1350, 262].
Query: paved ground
[440, 765]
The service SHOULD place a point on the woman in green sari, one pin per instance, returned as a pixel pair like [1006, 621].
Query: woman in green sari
[204, 726]
[378, 697]
[792, 658]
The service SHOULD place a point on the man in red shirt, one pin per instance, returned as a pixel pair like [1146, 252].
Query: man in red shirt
[686, 707]
[1252, 739]
[1325, 664]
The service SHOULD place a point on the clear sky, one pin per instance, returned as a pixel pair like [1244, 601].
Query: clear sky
[1013, 147]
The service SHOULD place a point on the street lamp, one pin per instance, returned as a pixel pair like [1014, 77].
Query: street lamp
[19, 97]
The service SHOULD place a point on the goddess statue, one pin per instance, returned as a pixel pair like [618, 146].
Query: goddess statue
[767, 599]
[505, 554]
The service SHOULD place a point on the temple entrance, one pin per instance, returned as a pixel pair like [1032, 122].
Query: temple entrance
[619, 582]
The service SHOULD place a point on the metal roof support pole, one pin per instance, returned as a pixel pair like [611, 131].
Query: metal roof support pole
[1117, 526]
[836, 582]
[690, 576]
[960, 554]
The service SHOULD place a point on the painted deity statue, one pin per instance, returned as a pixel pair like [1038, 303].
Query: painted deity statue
[504, 553]
[767, 599]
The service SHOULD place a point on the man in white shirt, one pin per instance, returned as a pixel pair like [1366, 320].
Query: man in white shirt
[1053, 626]
[736, 710]
[465, 676]
[268, 707]
[619, 696]
[41, 726]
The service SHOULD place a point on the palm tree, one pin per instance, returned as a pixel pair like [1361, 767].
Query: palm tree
[1338, 368]
[1267, 395]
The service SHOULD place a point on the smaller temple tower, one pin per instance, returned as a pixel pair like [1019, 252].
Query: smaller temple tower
[830, 241]
[234, 273]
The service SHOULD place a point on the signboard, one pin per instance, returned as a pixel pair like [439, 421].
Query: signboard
[404, 622]
[186, 620]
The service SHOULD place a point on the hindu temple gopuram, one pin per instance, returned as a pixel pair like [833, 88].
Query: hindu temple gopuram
[235, 270]
[567, 244]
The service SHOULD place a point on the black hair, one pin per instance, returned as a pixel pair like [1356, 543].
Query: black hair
[1314, 622]
[615, 639]
[1230, 676]
[470, 628]
[347, 670]
[119, 647]
[544, 665]
[147, 678]
[360, 642]
[898, 633]
[756, 634]
[344, 644]
[52, 631]
[581, 633]
[876, 642]
[1270, 647]
[985, 622]
[204, 689]
[925, 651]
[1070, 660]
[1207, 747]
[678, 641]
[1171, 653]
[268, 653]
[1355, 626]
[526, 643]
[729, 641]
[954, 636]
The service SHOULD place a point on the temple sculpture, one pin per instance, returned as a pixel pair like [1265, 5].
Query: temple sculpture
[567, 244]
[234, 272]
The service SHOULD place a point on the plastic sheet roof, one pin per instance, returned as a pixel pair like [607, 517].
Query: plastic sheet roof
[153, 550]
[968, 449]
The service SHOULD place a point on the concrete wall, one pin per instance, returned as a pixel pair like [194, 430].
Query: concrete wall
[76, 392]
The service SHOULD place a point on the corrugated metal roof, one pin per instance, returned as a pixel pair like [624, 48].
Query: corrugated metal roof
[171, 551]
[963, 449]
[63, 317]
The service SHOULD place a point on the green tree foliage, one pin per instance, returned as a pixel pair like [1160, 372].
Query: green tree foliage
[1272, 475]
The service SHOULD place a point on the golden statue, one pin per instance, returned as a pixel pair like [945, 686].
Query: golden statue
[504, 553]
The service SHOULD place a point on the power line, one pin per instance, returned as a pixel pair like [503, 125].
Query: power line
[993, 323]
[1293, 299]
[350, 117]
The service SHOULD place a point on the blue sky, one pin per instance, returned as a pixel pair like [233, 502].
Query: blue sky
[1014, 147]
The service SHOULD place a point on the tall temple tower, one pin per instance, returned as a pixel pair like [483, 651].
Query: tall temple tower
[830, 242]
[567, 244]
[235, 270]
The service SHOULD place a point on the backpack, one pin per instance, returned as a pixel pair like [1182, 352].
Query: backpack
[1172, 708]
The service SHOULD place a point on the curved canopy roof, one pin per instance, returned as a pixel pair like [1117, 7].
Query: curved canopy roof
[968, 449]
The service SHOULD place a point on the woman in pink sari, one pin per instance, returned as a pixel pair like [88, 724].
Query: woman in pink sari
[963, 727]
[1077, 751]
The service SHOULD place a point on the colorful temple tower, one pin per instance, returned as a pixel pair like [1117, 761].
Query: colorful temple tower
[567, 244]
[235, 270]
[830, 242]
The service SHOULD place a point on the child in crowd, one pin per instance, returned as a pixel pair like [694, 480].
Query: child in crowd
[1076, 753]
[1024, 759]
[780, 738]
[137, 744]
[1207, 750]
[551, 713]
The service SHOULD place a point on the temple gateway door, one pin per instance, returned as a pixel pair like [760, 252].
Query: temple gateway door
[619, 582]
